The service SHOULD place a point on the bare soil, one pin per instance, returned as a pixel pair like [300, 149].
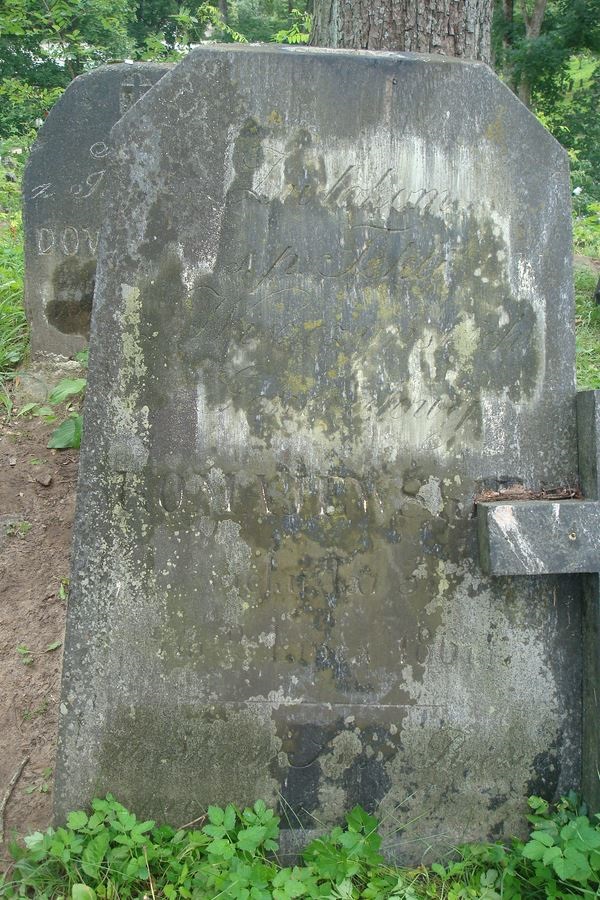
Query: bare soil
[37, 502]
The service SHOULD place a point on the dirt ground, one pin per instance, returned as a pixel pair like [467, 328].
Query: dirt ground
[37, 502]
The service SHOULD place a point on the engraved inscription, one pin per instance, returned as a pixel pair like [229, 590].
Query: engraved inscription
[88, 187]
[99, 150]
[43, 191]
[131, 91]
[68, 241]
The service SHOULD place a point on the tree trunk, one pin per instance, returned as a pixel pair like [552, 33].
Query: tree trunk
[452, 27]
[533, 27]
[224, 10]
[508, 14]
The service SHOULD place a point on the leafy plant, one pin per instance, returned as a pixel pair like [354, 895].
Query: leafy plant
[108, 853]
[25, 654]
[68, 434]
[43, 785]
[19, 529]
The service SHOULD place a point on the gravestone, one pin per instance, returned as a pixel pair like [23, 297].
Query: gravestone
[333, 305]
[63, 189]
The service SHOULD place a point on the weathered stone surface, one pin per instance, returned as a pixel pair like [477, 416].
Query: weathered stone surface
[333, 303]
[539, 537]
[64, 184]
[588, 432]
[530, 538]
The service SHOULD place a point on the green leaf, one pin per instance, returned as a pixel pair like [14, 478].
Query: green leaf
[27, 409]
[543, 837]
[251, 838]
[34, 841]
[68, 387]
[579, 860]
[358, 820]
[128, 820]
[77, 820]
[293, 888]
[533, 850]
[143, 827]
[215, 831]
[229, 818]
[82, 892]
[54, 646]
[551, 854]
[94, 853]
[221, 847]
[68, 435]
[564, 868]
[216, 815]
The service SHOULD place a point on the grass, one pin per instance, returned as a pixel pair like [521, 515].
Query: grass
[588, 330]
[13, 325]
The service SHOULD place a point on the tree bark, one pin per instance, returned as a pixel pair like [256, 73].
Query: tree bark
[224, 10]
[451, 27]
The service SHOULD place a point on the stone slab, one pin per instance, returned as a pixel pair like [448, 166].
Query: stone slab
[333, 302]
[539, 537]
[63, 187]
[588, 429]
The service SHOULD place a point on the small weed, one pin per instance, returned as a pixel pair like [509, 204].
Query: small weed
[63, 590]
[42, 786]
[26, 654]
[68, 433]
[6, 402]
[82, 357]
[31, 714]
[18, 529]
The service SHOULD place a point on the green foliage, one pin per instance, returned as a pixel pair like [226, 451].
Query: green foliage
[299, 33]
[48, 42]
[185, 29]
[108, 853]
[586, 231]
[561, 859]
[270, 20]
[569, 27]
[22, 104]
